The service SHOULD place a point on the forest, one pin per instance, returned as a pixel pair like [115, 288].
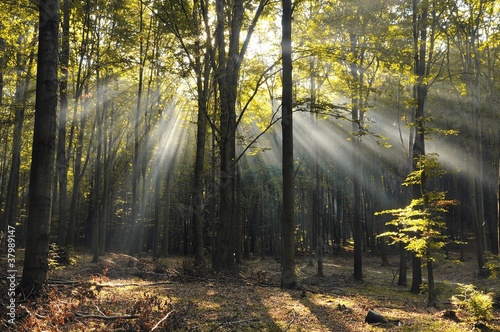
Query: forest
[238, 165]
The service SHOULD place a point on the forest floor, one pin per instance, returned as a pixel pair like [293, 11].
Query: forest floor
[123, 293]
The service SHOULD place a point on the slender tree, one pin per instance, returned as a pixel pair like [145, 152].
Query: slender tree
[288, 276]
[62, 160]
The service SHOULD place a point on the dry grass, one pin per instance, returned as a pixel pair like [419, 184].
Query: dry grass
[122, 293]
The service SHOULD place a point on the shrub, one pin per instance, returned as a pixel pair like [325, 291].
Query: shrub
[474, 302]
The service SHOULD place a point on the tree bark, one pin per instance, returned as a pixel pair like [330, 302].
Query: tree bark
[42, 162]
[356, 178]
[288, 276]
[62, 160]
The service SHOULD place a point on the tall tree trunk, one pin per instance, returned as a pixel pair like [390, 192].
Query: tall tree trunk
[81, 88]
[95, 218]
[107, 162]
[227, 81]
[78, 167]
[202, 70]
[62, 160]
[420, 91]
[356, 118]
[42, 162]
[228, 71]
[288, 276]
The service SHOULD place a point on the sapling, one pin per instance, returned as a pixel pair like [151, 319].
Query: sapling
[419, 225]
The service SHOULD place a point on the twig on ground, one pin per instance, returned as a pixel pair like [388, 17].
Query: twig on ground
[63, 282]
[162, 320]
[103, 317]
[33, 314]
[291, 322]
[132, 284]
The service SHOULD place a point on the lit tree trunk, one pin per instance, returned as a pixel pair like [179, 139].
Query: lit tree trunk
[95, 218]
[356, 118]
[318, 194]
[42, 162]
[107, 141]
[288, 276]
[78, 167]
[62, 160]
[81, 88]
[135, 237]
[420, 92]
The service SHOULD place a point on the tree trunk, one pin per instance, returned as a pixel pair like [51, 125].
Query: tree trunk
[95, 218]
[81, 87]
[288, 277]
[356, 175]
[42, 162]
[227, 80]
[431, 290]
[62, 160]
[78, 167]
[135, 236]
[165, 243]
[420, 93]
[202, 71]
[402, 265]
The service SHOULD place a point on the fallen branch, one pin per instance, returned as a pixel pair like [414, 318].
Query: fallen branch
[161, 320]
[103, 317]
[291, 322]
[63, 282]
[32, 314]
[131, 284]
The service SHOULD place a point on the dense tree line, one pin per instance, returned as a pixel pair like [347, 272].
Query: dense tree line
[175, 117]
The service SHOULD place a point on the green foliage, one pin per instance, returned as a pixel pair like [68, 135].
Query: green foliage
[59, 258]
[419, 225]
[474, 302]
[493, 266]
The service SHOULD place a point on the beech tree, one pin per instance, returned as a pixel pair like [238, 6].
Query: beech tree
[229, 56]
[44, 139]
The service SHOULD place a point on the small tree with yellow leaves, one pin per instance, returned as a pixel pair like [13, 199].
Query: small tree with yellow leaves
[419, 225]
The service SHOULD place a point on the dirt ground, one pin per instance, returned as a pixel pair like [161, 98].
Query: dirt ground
[124, 293]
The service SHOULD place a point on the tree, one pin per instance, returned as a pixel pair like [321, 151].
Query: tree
[42, 163]
[419, 225]
[288, 277]
[425, 22]
[62, 160]
[229, 57]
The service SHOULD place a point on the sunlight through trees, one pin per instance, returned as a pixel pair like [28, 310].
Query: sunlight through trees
[226, 130]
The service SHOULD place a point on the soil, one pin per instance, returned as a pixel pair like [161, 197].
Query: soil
[124, 293]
